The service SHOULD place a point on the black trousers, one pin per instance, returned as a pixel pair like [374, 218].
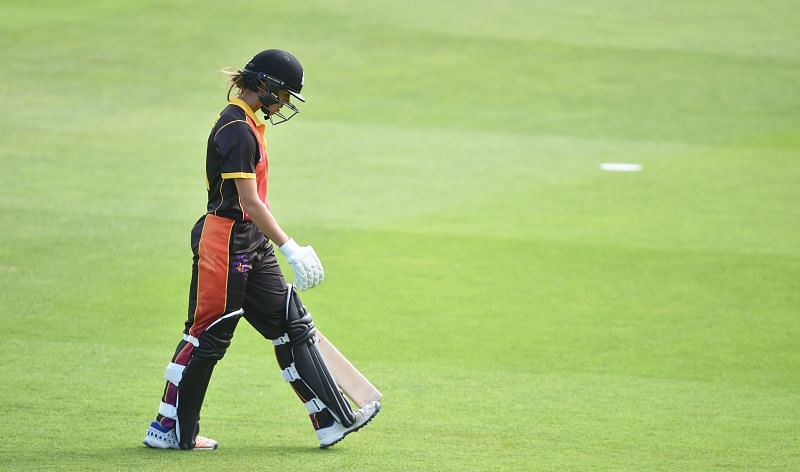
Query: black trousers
[234, 269]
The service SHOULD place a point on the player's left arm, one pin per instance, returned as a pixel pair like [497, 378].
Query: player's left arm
[258, 211]
[303, 259]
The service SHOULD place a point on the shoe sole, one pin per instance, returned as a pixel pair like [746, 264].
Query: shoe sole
[153, 447]
[168, 448]
[355, 429]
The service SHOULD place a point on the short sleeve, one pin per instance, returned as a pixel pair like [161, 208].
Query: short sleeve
[237, 147]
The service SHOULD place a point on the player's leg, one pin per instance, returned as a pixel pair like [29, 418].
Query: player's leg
[275, 310]
[177, 425]
[216, 295]
[212, 343]
[265, 310]
[306, 366]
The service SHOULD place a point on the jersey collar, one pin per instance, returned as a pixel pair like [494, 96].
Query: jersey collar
[241, 104]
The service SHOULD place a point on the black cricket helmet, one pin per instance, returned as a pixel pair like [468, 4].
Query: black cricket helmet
[269, 72]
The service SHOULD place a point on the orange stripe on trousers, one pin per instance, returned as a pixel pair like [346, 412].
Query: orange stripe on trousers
[212, 273]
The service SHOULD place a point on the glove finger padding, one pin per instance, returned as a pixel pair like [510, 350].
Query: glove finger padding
[313, 279]
[302, 278]
[299, 279]
[316, 266]
[307, 275]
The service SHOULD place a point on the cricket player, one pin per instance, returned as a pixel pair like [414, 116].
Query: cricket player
[235, 273]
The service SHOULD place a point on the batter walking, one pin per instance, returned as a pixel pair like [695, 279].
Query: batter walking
[235, 273]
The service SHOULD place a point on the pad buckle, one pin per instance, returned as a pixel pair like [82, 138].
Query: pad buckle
[314, 405]
[170, 411]
[173, 373]
[290, 373]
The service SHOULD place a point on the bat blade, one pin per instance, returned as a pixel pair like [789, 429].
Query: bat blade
[350, 380]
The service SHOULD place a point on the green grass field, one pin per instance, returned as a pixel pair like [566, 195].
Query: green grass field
[519, 308]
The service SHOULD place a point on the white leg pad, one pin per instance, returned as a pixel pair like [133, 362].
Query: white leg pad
[170, 411]
[314, 405]
[290, 373]
[174, 373]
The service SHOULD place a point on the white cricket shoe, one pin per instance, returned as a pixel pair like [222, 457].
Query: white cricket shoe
[160, 437]
[335, 433]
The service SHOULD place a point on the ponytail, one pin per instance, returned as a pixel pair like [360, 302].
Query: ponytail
[235, 79]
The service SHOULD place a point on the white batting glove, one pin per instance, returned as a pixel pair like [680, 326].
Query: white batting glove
[307, 268]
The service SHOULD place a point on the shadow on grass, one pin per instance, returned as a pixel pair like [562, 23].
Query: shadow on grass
[276, 450]
[242, 456]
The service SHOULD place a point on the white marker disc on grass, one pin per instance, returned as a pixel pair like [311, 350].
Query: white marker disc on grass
[620, 167]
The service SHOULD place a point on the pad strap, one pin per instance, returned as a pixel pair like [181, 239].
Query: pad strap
[281, 340]
[191, 339]
[314, 405]
[170, 411]
[290, 373]
[174, 373]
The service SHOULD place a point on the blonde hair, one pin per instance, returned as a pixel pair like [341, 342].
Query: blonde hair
[235, 79]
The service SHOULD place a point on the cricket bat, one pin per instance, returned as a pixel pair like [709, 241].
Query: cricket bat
[350, 380]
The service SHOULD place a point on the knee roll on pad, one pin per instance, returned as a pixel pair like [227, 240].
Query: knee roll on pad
[304, 367]
[299, 325]
[216, 339]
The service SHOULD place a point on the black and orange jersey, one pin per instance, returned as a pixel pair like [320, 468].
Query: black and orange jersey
[236, 150]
